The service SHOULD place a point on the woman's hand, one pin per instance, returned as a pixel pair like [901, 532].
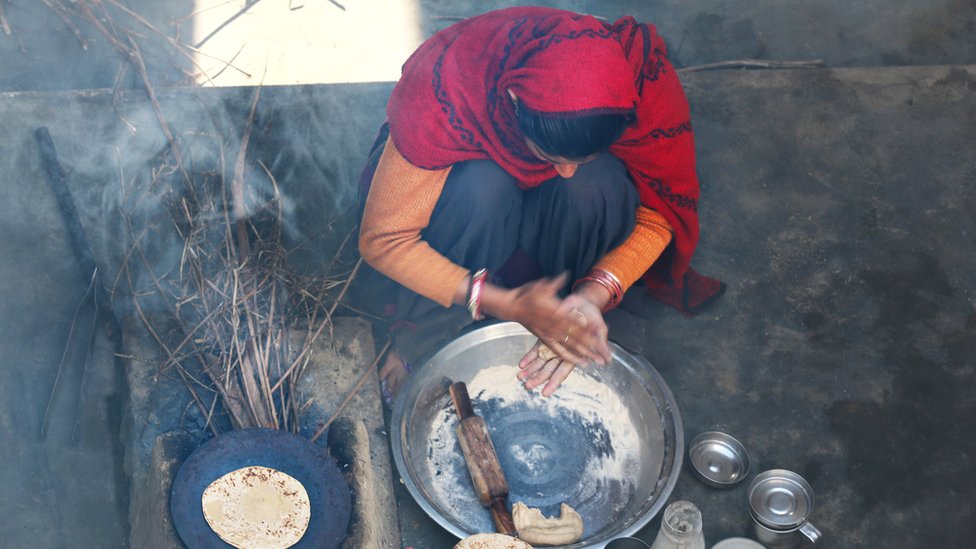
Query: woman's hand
[552, 359]
[572, 327]
[539, 366]
[585, 337]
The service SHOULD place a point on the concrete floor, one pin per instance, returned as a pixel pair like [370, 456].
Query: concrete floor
[837, 206]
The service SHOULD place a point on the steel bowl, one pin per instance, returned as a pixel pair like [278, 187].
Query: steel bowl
[609, 442]
[718, 459]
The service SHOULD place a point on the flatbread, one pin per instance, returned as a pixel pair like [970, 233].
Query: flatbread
[491, 541]
[257, 508]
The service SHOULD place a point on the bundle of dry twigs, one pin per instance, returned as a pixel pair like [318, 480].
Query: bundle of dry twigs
[230, 291]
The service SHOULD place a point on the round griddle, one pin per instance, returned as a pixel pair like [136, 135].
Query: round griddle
[289, 453]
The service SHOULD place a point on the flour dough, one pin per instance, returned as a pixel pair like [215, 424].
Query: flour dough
[536, 529]
[491, 541]
[257, 508]
[546, 354]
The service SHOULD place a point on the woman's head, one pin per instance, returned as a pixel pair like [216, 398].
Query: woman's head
[574, 89]
[567, 141]
[572, 137]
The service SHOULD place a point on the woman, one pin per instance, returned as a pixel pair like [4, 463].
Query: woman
[529, 133]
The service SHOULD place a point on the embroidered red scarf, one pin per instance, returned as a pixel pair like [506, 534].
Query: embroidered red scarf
[452, 105]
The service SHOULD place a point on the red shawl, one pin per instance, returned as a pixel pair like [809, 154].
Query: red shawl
[452, 105]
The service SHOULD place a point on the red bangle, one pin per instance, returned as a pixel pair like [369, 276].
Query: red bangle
[475, 293]
[608, 281]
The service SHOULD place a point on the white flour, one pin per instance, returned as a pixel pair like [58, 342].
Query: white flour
[603, 420]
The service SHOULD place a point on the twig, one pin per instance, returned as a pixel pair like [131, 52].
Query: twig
[64, 354]
[239, 352]
[345, 287]
[162, 345]
[342, 246]
[327, 226]
[252, 367]
[237, 186]
[279, 213]
[359, 384]
[321, 327]
[213, 406]
[136, 59]
[59, 10]
[89, 356]
[187, 339]
[171, 356]
[755, 64]
[197, 12]
[229, 393]
[226, 65]
[4, 23]
[223, 25]
[134, 56]
[179, 46]
[108, 34]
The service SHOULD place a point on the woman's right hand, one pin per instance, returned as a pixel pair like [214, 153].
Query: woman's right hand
[573, 327]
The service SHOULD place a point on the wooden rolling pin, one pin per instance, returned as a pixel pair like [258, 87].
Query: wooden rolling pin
[479, 455]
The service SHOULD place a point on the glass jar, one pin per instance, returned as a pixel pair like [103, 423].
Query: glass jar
[681, 527]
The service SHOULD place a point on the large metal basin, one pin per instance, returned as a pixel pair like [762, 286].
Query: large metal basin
[609, 442]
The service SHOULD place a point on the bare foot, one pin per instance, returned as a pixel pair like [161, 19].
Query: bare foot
[393, 374]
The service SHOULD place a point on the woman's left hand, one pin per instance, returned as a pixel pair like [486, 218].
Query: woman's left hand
[538, 367]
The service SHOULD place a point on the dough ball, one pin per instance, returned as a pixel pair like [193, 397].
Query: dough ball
[536, 529]
[546, 354]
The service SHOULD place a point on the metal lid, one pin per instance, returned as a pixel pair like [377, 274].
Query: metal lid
[780, 499]
[718, 459]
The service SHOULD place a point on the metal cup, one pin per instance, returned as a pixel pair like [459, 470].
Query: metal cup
[780, 503]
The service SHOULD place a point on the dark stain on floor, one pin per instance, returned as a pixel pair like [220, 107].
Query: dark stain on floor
[907, 448]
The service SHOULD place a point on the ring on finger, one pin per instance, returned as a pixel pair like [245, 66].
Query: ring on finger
[579, 317]
[566, 339]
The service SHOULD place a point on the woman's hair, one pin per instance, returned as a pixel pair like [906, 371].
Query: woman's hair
[572, 137]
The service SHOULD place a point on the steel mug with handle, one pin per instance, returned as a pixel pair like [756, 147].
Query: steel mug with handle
[780, 503]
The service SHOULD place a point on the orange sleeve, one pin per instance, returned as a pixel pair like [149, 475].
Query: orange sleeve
[640, 250]
[399, 205]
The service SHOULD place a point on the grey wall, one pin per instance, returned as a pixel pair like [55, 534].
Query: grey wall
[44, 52]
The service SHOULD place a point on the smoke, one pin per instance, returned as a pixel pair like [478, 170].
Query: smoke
[163, 195]
[152, 166]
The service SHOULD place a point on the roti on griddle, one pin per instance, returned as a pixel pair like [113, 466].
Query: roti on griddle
[257, 508]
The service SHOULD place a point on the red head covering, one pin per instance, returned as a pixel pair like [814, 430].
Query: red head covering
[452, 105]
